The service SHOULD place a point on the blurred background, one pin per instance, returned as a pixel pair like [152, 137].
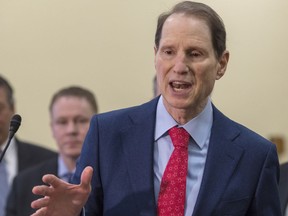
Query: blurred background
[107, 46]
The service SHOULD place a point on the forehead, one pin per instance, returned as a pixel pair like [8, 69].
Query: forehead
[186, 27]
[71, 104]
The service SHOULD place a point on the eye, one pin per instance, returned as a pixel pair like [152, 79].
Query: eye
[194, 53]
[61, 122]
[168, 52]
[81, 120]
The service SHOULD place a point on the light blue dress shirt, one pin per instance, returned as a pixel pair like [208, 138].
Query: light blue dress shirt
[63, 171]
[199, 129]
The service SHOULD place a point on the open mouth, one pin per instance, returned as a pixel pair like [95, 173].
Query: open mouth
[180, 85]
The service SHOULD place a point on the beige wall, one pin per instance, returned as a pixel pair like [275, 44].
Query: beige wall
[107, 46]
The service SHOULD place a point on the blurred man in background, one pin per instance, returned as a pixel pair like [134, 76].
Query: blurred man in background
[283, 188]
[20, 155]
[70, 112]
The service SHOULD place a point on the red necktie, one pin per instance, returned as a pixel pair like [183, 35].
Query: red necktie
[171, 200]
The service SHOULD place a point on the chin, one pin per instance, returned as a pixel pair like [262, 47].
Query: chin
[179, 105]
[73, 152]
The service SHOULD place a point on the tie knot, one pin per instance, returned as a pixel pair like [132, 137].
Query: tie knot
[67, 176]
[179, 136]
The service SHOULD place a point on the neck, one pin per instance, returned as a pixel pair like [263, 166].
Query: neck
[184, 115]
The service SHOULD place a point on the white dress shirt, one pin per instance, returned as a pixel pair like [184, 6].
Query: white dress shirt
[11, 159]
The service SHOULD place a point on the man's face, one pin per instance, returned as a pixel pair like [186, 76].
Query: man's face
[6, 113]
[186, 64]
[70, 119]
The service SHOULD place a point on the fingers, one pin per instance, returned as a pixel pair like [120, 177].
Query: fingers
[39, 203]
[40, 212]
[86, 177]
[58, 192]
[42, 190]
[52, 180]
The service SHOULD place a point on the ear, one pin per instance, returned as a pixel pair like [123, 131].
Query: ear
[155, 52]
[52, 128]
[223, 62]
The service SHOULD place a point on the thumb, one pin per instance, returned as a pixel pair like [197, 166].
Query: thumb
[86, 177]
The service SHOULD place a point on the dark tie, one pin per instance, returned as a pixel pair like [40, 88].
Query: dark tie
[67, 177]
[3, 186]
[171, 200]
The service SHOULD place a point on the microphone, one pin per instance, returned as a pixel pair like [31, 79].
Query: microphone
[14, 125]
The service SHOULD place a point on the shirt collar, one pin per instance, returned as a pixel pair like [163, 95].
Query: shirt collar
[11, 151]
[199, 127]
[11, 158]
[62, 168]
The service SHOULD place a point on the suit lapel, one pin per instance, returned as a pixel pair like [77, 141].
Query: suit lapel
[138, 145]
[222, 159]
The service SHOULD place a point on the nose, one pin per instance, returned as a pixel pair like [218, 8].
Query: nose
[72, 127]
[180, 65]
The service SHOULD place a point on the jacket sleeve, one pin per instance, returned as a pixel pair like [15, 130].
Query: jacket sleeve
[89, 157]
[266, 201]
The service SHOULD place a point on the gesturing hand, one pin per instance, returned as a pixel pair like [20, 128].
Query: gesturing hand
[61, 198]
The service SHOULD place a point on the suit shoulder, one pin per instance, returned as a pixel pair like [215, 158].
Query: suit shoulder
[35, 148]
[241, 134]
[284, 168]
[31, 154]
[46, 167]
[134, 113]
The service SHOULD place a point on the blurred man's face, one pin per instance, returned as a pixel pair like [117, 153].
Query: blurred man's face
[6, 113]
[70, 119]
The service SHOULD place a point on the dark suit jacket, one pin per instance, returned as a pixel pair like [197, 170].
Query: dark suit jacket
[240, 175]
[31, 155]
[21, 196]
[283, 186]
